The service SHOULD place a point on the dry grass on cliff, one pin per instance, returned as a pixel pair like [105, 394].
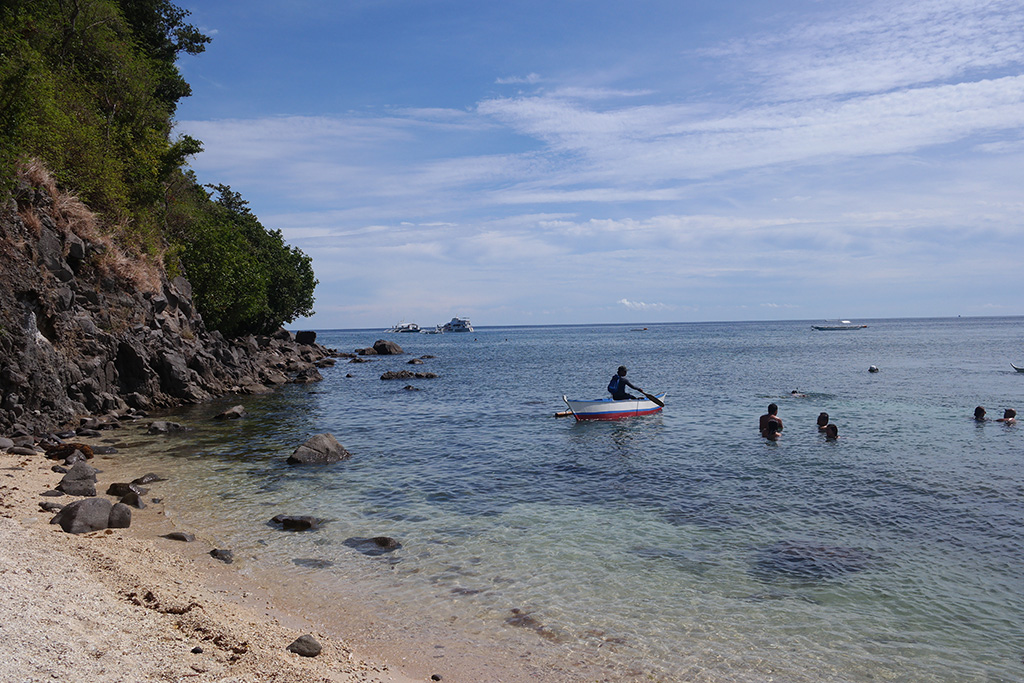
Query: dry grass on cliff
[72, 216]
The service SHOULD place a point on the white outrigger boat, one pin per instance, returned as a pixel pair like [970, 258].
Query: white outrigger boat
[608, 409]
[1017, 367]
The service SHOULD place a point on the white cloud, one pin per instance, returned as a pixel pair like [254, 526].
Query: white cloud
[642, 306]
[529, 79]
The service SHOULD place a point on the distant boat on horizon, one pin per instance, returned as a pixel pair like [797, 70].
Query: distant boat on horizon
[843, 325]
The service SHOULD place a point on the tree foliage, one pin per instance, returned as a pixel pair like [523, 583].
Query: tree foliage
[90, 87]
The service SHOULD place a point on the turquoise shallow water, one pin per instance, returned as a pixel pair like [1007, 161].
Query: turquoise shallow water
[677, 546]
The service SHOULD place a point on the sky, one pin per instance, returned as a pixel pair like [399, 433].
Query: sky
[566, 161]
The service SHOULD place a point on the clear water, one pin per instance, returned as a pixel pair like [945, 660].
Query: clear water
[676, 546]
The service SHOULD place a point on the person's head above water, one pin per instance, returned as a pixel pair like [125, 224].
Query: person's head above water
[772, 409]
[822, 420]
[979, 413]
[621, 371]
[831, 432]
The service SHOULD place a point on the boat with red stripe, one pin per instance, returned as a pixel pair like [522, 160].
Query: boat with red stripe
[608, 409]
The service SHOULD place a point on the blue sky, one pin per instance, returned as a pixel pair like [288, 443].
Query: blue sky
[523, 162]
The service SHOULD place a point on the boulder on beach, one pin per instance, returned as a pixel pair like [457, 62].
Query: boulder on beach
[305, 646]
[92, 514]
[322, 449]
[79, 481]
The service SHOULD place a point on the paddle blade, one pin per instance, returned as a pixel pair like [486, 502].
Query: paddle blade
[654, 398]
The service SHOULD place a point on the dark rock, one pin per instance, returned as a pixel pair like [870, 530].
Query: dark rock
[81, 472]
[134, 500]
[66, 449]
[409, 387]
[165, 427]
[50, 507]
[406, 374]
[120, 516]
[123, 489]
[384, 347]
[196, 650]
[322, 449]
[305, 337]
[75, 458]
[297, 522]
[52, 493]
[233, 413]
[307, 376]
[104, 450]
[77, 487]
[5, 443]
[415, 361]
[377, 545]
[83, 516]
[305, 646]
[147, 479]
[88, 433]
[22, 450]
[59, 470]
[224, 555]
[180, 536]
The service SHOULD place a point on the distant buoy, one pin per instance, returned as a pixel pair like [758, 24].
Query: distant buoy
[873, 368]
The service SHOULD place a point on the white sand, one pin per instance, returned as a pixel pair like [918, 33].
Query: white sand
[109, 606]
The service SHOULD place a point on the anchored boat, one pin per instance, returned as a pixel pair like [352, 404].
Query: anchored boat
[608, 409]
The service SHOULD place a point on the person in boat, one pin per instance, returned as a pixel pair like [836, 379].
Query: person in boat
[979, 414]
[1009, 416]
[617, 387]
[822, 421]
[831, 432]
[771, 416]
[772, 430]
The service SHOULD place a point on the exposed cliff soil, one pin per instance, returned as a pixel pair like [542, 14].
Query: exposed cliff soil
[86, 329]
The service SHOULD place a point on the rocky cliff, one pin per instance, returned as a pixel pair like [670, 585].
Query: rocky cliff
[87, 330]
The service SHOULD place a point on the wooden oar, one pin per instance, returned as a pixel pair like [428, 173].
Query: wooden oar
[654, 398]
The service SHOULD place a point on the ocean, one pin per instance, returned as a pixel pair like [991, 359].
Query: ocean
[678, 546]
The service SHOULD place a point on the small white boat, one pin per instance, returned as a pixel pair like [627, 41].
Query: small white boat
[843, 325]
[438, 329]
[405, 328]
[1018, 369]
[608, 409]
[457, 325]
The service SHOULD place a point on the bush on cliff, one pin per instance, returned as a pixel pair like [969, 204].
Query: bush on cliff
[89, 88]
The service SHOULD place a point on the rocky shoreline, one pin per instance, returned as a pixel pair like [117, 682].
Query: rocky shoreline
[86, 330]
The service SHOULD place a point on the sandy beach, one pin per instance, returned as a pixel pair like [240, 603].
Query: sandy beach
[132, 605]
[127, 605]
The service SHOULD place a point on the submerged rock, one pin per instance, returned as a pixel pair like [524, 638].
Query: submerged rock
[378, 545]
[808, 561]
[297, 522]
